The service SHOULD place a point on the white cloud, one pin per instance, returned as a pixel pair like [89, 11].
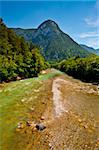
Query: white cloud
[89, 34]
[93, 43]
[92, 22]
[90, 39]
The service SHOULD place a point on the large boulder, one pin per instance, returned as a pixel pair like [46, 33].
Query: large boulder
[40, 126]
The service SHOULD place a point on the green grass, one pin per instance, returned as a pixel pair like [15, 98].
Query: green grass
[14, 110]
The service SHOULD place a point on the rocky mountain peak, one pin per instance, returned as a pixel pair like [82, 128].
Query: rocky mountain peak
[53, 42]
[47, 24]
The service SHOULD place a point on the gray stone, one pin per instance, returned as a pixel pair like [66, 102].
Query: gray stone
[40, 126]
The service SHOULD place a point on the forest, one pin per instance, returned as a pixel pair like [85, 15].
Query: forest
[20, 59]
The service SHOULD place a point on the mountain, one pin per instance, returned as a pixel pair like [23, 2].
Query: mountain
[54, 43]
[90, 49]
[97, 51]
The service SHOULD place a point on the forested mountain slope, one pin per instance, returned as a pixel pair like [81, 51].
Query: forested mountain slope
[54, 43]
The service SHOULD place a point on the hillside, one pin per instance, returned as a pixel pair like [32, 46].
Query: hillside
[68, 108]
[54, 43]
[18, 59]
[90, 49]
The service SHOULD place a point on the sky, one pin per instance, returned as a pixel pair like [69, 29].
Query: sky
[79, 19]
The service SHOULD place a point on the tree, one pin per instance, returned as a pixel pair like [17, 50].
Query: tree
[17, 58]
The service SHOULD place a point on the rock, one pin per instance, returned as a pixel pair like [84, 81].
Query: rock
[42, 118]
[85, 126]
[40, 126]
[23, 100]
[79, 120]
[43, 102]
[91, 91]
[20, 125]
[32, 108]
[50, 145]
[43, 72]
[97, 87]
[18, 78]
[97, 143]
[36, 90]
[86, 145]
[31, 124]
[28, 123]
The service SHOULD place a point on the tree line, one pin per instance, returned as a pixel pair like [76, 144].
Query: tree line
[18, 58]
[85, 69]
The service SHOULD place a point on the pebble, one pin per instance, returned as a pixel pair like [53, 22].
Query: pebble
[42, 118]
[36, 90]
[79, 120]
[50, 145]
[32, 108]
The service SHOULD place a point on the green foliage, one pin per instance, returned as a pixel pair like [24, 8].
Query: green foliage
[18, 58]
[86, 69]
[54, 44]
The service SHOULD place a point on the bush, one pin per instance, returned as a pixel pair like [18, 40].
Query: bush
[86, 69]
